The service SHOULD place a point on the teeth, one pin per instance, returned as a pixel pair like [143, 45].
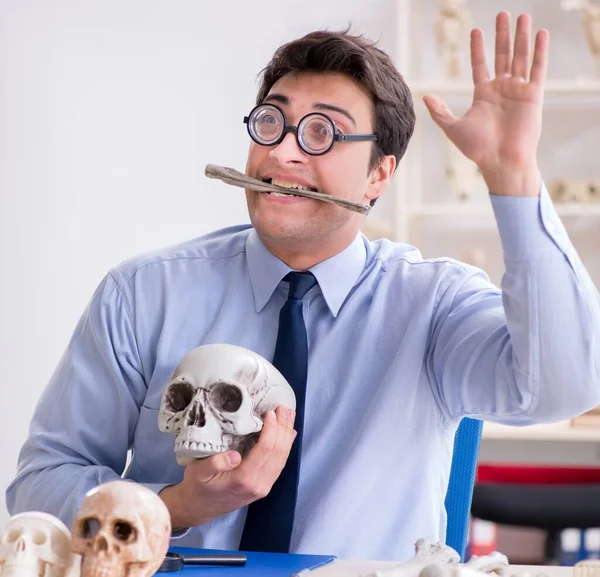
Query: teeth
[197, 446]
[287, 184]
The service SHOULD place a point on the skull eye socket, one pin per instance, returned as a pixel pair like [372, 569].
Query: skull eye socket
[39, 538]
[89, 528]
[13, 535]
[227, 398]
[124, 531]
[179, 396]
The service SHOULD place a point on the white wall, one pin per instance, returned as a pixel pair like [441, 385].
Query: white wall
[109, 111]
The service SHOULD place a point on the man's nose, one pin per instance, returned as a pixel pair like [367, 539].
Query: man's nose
[288, 150]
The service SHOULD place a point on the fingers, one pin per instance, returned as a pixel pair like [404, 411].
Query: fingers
[280, 451]
[511, 61]
[540, 58]
[503, 57]
[224, 482]
[268, 456]
[439, 111]
[520, 63]
[203, 470]
[478, 63]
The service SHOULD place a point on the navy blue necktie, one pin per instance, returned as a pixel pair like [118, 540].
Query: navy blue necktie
[269, 521]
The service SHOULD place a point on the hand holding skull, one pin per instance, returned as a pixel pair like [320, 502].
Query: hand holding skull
[219, 398]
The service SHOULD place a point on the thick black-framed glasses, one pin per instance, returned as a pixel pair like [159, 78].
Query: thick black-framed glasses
[316, 133]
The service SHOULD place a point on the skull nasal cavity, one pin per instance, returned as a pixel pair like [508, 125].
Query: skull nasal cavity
[196, 416]
[101, 544]
[179, 396]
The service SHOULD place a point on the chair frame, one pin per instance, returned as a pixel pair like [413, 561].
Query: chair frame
[460, 485]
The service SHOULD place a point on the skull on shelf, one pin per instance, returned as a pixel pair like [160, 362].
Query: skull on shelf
[122, 529]
[451, 25]
[577, 190]
[462, 174]
[36, 544]
[591, 23]
[216, 400]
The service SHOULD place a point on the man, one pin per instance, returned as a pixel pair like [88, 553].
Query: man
[400, 348]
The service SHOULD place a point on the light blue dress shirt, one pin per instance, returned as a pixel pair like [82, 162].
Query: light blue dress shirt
[400, 349]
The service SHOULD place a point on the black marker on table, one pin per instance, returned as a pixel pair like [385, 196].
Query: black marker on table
[176, 561]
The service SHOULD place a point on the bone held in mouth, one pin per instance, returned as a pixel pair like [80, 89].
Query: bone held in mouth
[235, 178]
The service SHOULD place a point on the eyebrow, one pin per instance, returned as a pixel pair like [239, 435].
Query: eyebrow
[282, 99]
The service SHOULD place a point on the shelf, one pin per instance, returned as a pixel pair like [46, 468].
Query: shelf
[575, 87]
[485, 211]
[562, 431]
[470, 210]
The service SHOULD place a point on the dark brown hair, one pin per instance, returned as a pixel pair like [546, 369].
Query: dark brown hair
[361, 60]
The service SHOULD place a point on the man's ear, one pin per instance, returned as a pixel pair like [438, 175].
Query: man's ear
[380, 177]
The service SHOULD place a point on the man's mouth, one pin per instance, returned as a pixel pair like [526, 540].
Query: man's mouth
[287, 184]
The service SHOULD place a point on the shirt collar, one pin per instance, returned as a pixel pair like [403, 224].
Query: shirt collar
[336, 275]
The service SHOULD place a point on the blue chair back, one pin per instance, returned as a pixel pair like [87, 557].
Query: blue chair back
[460, 486]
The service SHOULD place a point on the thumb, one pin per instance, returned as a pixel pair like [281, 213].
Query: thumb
[206, 469]
[439, 111]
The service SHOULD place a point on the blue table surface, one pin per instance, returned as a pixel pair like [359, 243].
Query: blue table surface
[258, 564]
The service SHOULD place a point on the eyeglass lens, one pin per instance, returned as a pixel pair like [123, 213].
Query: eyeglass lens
[315, 132]
[266, 124]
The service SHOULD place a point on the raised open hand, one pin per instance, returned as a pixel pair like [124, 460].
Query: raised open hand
[501, 130]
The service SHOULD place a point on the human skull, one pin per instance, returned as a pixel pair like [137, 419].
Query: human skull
[121, 530]
[35, 544]
[216, 399]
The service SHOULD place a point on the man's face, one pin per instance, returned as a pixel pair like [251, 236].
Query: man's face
[293, 223]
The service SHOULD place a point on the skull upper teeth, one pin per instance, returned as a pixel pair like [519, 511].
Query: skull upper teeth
[287, 184]
[199, 446]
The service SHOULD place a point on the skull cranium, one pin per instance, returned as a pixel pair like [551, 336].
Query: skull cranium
[122, 529]
[35, 544]
[216, 399]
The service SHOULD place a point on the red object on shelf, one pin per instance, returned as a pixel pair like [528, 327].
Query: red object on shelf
[483, 537]
[540, 475]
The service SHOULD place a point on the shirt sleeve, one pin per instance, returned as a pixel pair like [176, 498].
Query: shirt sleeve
[84, 422]
[529, 353]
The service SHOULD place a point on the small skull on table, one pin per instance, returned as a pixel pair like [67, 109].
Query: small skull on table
[36, 544]
[121, 530]
[216, 400]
